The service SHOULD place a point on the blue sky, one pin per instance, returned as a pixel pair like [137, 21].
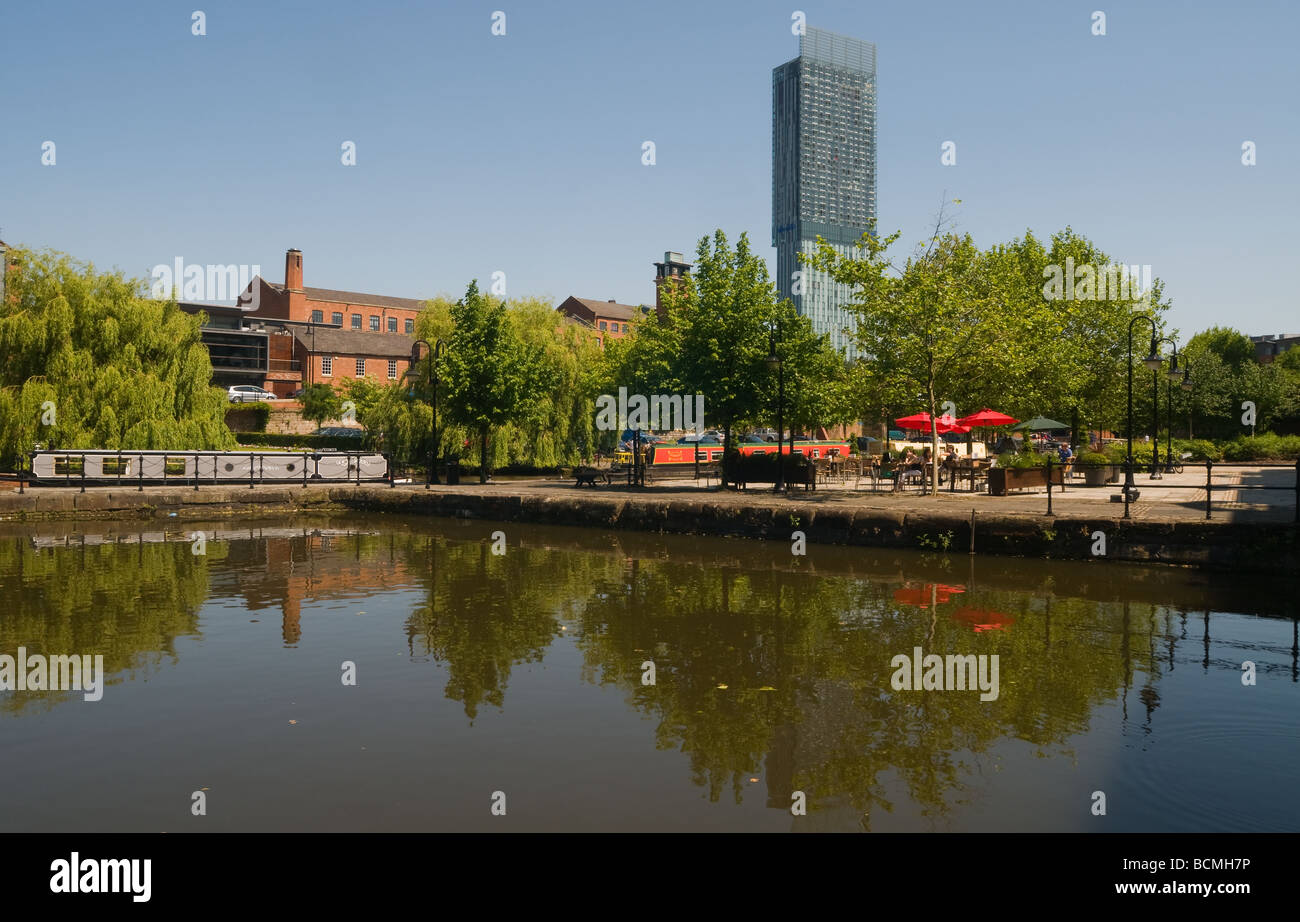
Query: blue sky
[522, 152]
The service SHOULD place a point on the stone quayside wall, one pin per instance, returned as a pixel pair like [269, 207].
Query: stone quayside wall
[1254, 547]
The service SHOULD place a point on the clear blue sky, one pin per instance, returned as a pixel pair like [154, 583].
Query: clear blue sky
[523, 152]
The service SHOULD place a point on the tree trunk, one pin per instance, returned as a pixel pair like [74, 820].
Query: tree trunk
[482, 456]
[934, 443]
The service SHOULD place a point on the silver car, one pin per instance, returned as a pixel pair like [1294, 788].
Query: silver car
[244, 393]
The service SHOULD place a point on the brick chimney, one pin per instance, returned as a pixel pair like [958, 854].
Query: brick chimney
[293, 270]
[294, 294]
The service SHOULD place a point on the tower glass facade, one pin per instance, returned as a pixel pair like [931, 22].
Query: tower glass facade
[823, 168]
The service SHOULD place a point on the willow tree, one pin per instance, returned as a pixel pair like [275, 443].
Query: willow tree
[553, 425]
[86, 361]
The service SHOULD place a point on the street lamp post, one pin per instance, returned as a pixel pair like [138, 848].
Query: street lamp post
[1153, 362]
[1174, 374]
[1155, 410]
[435, 351]
[774, 361]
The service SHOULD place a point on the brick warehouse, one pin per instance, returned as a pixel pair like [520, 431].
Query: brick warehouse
[298, 336]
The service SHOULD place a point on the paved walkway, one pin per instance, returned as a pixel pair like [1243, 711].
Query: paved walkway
[1175, 497]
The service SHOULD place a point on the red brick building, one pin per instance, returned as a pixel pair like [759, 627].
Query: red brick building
[607, 319]
[291, 336]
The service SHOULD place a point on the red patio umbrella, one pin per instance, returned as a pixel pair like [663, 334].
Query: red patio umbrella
[942, 425]
[916, 421]
[987, 417]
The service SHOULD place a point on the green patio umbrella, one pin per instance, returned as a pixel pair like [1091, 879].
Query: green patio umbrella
[1038, 424]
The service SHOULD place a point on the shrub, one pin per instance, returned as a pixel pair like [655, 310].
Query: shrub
[1265, 447]
[300, 442]
[1095, 458]
[1200, 449]
[1027, 460]
[261, 413]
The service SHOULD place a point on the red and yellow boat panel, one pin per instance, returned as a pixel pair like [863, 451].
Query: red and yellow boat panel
[672, 453]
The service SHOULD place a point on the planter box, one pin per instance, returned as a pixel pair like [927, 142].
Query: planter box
[1003, 480]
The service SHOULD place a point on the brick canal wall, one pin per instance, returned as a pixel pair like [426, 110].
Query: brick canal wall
[1253, 547]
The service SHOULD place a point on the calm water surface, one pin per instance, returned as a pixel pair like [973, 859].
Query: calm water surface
[525, 674]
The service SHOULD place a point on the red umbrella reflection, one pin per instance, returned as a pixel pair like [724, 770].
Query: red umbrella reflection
[922, 596]
[981, 619]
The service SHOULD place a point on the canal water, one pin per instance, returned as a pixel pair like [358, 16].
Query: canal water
[583, 680]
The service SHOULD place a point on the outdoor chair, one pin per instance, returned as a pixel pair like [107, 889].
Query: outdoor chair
[887, 470]
[907, 475]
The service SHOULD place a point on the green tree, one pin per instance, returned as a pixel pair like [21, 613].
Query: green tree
[722, 317]
[929, 325]
[494, 375]
[87, 361]
[320, 402]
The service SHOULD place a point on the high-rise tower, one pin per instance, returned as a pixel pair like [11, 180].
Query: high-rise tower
[823, 168]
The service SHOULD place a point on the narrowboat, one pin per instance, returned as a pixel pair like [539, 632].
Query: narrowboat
[680, 455]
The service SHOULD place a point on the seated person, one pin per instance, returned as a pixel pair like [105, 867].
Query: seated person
[909, 468]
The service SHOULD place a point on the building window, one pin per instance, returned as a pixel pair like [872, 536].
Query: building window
[392, 324]
[374, 322]
[317, 316]
[603, 325]
[597, 340]
[392, 369]
[336, 318]
[356, 321]
[361, 368]
[410, 326]
[625, 328]
[326, 365]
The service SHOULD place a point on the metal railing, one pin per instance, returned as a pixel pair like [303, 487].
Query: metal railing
[1154, 481]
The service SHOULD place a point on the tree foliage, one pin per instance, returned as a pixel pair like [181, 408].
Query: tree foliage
[320, 402]
[977, 328]
[86, 361]
[719, 326]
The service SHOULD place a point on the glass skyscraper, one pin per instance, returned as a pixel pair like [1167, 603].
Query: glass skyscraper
[823, 168]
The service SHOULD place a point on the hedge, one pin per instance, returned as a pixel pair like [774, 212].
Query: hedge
[281, 440]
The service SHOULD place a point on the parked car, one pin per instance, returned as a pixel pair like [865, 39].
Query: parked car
[245, 393]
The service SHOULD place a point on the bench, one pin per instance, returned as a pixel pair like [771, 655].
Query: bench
[590, 475]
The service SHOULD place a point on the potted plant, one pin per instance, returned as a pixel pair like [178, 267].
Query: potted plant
[1097, 469]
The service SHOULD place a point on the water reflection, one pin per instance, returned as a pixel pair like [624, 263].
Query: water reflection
[771, 674]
